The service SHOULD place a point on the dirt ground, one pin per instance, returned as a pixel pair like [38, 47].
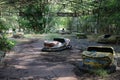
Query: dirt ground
[28, 62]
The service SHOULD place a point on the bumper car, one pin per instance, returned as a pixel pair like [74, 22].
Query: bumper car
[98, 57]
[57, 44]
[107, 38]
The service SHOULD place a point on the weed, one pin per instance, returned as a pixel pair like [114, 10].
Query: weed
[101, 72]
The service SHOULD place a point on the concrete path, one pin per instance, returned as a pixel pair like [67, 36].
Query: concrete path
[29, 63]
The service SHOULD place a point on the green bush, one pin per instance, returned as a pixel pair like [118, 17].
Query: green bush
[6, 44]
[101, 72]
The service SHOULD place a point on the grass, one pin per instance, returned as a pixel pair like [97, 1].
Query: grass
[101, 72]
[51, 36]
[48, 36]
[93, 37]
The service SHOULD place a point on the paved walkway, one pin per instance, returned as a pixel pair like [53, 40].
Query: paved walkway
[29, 63]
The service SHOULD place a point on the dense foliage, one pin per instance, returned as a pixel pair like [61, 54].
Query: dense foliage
[95, 16]
[6, 44]
[31, 16]
[109, 16]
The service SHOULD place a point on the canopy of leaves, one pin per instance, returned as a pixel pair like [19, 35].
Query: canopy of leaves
[41, 15]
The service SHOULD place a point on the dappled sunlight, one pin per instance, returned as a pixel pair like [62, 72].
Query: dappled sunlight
[20, 67]
[60, 67]
[30, 23]
[67, 78]
[29, 62]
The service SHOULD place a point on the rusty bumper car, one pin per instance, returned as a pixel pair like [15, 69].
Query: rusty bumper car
[57, 44]
[107, 38]
[98, 57]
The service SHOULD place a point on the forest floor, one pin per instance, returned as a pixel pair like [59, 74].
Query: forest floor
[27, 62]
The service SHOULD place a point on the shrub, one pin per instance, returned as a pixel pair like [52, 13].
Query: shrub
[101, 72]
[6, 44]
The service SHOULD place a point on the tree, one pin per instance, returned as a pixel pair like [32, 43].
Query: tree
[109, 16]
[32, 16]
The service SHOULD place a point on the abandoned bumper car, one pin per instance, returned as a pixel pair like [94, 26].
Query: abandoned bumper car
[107, 38]
[98, 57]
[57, 44]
